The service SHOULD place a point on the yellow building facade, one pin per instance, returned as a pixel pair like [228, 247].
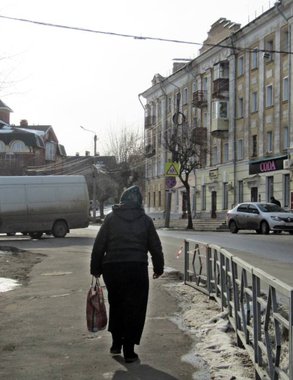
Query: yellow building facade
[238, 91]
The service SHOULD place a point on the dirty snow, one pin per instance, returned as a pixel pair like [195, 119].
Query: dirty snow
[214, 353]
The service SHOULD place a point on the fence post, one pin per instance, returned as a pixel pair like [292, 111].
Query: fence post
[209, 269]
[291, 335]
[186, 260]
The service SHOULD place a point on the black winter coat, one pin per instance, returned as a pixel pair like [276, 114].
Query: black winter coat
[127, 235]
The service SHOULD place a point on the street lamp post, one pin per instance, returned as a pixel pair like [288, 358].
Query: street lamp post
[94, 174]
[95, 138]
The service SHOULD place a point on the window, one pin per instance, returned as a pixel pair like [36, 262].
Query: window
[194, 86]
[154, 199]
[203, 197]
[18, 146]
[285, 41]
[225, 196]
[268, 55]
[269, 96]
[205, 120]
[254, 102]
[239, 149]
[254, 145]
[286, 187]
[269, 141]
[240, 107]
[169, 104]
[214, 155]
[240, 191]
[50, 151]
[205, 84]
[226, 152]
[159, 109]
[185, 96]
[220, 110]
[254, 59]
[160, 199]
[240, 66]
[285, 89]
[286, 138]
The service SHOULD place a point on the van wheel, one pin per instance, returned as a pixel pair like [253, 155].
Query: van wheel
[265, 229]
[35, 235]
[60, 229]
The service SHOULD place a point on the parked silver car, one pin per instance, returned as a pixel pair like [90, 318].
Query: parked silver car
[259, 216]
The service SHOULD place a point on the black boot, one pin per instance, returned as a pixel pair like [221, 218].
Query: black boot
[116, 345]
[129, 355]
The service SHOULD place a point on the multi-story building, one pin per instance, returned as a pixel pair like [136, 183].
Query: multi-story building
[238, 91]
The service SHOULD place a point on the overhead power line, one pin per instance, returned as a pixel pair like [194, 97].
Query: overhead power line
[136, 37]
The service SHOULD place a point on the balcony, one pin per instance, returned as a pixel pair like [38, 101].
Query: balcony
[149, 151]
[200, 98]
[221, 88]
[199, 136]
[149, 121]
[220, 128]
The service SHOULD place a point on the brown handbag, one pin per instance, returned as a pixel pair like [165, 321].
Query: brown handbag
[96, 313]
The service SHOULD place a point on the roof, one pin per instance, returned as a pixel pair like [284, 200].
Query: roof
[5, 107]
[34, 136]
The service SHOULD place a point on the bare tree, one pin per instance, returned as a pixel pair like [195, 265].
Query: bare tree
[106, 188]
[128, 149]
[189, 148]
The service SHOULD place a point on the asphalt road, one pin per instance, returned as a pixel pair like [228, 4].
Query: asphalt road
[272, 253]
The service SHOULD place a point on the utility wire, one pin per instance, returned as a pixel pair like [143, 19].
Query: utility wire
[80, 29]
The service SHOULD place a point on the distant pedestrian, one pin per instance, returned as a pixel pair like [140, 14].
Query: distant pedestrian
[275, 201]
[120, 255]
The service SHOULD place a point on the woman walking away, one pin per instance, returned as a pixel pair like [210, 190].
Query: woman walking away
[120, 254]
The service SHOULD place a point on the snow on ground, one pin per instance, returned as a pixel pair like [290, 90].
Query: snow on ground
[214, 353]
[7, 284]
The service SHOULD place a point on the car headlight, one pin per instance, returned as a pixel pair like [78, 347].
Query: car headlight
[276, 218]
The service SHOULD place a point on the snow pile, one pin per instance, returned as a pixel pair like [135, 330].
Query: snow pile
[215, 353]
[7, 284]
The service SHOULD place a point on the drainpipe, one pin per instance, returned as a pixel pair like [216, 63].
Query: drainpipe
[278, 5]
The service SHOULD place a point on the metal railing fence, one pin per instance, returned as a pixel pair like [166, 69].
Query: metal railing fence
[259, 306]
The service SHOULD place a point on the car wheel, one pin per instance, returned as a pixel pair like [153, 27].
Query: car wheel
[265, 229]
[35, 235]
[233, 227]
[291, 232]
[59, 229]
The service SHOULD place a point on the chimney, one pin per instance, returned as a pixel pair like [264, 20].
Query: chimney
[23, 123]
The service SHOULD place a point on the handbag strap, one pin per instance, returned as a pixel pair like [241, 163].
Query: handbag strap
[95, 281]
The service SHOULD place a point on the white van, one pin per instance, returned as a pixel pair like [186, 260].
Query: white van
[35, 205]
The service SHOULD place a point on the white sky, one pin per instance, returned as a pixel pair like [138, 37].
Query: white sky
[68, 78]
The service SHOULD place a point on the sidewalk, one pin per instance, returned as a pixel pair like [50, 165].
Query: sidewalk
[43, 333]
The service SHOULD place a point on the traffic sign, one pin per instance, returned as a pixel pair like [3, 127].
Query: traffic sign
[171, 169]
[170, 182]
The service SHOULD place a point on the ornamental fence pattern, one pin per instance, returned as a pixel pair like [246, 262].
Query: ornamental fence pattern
[259, 306]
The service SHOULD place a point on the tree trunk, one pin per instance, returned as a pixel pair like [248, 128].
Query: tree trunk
[187, 187]
[189, 216]
[102, 216]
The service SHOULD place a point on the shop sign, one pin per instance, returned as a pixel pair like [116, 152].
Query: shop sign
[267, 165]
[213, 174]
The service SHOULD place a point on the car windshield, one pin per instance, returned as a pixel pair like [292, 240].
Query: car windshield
[269, 207]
